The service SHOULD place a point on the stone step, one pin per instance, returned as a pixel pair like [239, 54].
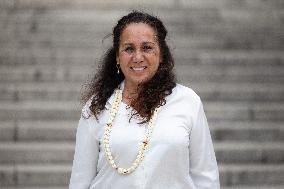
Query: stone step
[189, 72]
[251, 175]
[35, 175]
[7, 131]
[38, 130]
[228, 152]
[64, 91]
[71, 20]
[58, 175]
[32, 56]
[249, 152]
[57, 24]
[225, 4]
[234, 73]
[231, 57]
[58, 110]
[247, 131]
[226, 26]
[40, 110]
[207, 90]
[196, 38]
[110, 4]
[65, 131]
[36, 153]
[89, 4]
[88, 56]
[237, 91]
[211, 16]
[231, 69]
[94, 40]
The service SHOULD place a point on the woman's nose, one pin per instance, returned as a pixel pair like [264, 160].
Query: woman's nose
[138, 57]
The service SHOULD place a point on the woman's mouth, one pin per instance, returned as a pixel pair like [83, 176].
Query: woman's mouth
[138, 69]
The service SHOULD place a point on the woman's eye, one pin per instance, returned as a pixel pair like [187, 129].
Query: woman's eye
[147, 48]
[129, 49]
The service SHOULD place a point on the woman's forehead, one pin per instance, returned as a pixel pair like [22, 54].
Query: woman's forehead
[138, 32]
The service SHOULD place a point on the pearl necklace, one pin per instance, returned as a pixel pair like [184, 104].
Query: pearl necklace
[143, 146]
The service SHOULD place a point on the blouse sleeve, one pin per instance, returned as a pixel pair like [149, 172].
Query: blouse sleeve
[203, 164]
[85, 157]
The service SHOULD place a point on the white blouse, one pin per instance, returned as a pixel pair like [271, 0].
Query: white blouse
[180, 154]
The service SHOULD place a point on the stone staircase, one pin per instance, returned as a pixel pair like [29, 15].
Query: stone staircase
[230, 52]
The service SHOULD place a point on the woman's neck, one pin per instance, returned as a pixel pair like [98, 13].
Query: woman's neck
[129, 93]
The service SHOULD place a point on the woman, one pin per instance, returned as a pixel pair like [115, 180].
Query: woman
[139, 129]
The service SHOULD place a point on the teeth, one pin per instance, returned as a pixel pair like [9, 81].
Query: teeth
[139, 69]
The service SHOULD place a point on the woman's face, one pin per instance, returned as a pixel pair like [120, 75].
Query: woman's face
[139, 53]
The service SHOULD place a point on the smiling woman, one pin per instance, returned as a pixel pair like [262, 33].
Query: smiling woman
[138, 127]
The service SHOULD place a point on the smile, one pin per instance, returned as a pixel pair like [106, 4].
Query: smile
[138, 69]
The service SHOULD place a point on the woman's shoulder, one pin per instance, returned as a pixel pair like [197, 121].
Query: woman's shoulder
[185, 92]
[184, 101]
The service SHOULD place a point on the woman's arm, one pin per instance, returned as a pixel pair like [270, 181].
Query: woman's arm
[85, 157]
[203, 164]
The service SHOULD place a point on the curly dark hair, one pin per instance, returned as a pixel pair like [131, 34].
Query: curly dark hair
[151, 93]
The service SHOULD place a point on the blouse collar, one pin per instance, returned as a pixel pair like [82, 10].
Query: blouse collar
[111, 98]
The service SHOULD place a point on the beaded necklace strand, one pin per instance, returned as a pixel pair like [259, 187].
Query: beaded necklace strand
[143, 146]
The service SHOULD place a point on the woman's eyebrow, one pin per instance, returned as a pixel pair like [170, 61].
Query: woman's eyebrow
[127, 44]
[145, 42]
[148, 42]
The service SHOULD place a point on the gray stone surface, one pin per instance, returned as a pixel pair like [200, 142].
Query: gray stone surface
[62, 152]
[253, 175]
[224, 131]
[60, 110]
[7, 175]
[36, 152]
[7, 131]
[43, 175]
[46, 130]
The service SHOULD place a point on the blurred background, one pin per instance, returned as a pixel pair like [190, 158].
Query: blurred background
[229, 51]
